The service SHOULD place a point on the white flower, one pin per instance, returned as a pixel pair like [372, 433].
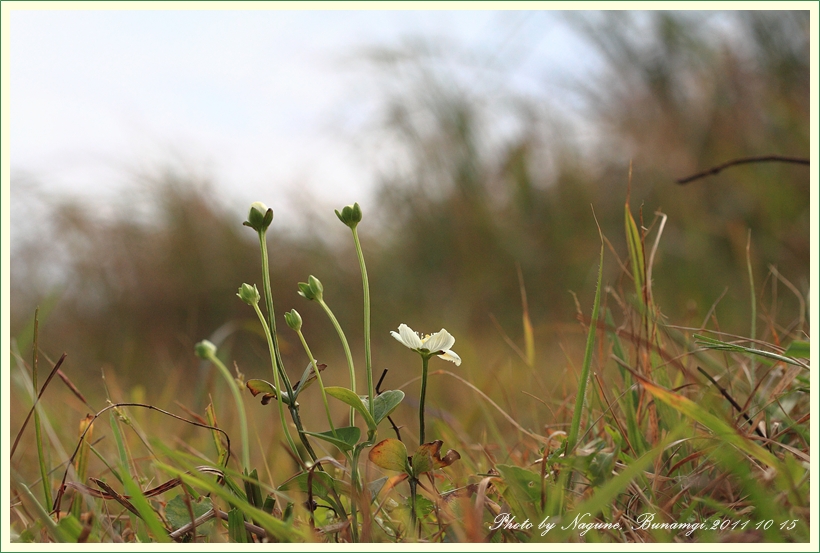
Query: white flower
[438, 343]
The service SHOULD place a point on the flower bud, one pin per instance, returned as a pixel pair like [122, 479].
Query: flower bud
[205, 349]
[294, 320]
[351, 215]
[249, 294]
[259, 217]
[316, 286]
[312, 289]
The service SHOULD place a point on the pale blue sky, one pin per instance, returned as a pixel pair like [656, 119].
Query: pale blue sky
[266, 103]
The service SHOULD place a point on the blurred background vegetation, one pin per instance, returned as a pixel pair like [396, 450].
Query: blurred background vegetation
[475, 183]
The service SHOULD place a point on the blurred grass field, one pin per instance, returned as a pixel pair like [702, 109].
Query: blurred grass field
[496, 241]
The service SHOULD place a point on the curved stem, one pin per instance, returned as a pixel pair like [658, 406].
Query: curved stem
[276, 356]
[348, 356]
[425, 360]
[355, 495]
[319, 380]
[240, 407]
[276, 383]
[371, 393]
[413, 503]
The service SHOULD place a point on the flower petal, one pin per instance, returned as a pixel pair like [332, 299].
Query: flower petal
[407, 337]
[450, 355]
[440, 341]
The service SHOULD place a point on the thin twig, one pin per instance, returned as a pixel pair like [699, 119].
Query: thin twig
[756, 159]
[378, 392]
[43, 389]
[731, 400]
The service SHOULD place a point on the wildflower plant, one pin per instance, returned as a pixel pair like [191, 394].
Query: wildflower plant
[427, 345]
[373, 408]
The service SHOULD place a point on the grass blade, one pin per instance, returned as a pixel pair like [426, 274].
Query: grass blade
[25, 493]
[633, 241]
[236, 526]
[137, 499]
[38, 436]
[711, 343]
[572, 437]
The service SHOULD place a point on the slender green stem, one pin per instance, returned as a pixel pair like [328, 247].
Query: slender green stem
[348, 356]
[318, 379]
[266, 289]
[276, 356]
[753, 334]
[575, 425]
[355, 495]
[240, 407]
[413, 492]
[276, 382]
[371, 393]
[424, 360]
[38, 435]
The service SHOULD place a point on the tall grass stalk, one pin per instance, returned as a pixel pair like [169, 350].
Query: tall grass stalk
[572, 436]
[38, 436]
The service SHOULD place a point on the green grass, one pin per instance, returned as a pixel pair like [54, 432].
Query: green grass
[641, 448]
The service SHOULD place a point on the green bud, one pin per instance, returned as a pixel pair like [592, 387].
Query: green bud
[259, 217]
[316, 286]
[294, 320]
[351, 215]
[249, 294]
[312, 289]
[205, 349]
[304, 291]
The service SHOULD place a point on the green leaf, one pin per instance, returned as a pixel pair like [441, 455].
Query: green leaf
[390, 454]
[252, 490]
[258, 386]
[236, 526]
[349, 397]
[71, 527]
[525, 482]
[636, 254]
[711, 343]
[523, 489]
[270, 502]
[384, 404]
[798, 348]
[423, 506]
[177, 512]
[345, 438]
